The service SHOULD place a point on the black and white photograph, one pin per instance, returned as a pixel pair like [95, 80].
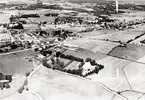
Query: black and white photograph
[72, 49]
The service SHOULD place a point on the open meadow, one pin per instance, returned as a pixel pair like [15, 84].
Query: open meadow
[16, 63]
[59, 85]
[131, 52]
[94, 45]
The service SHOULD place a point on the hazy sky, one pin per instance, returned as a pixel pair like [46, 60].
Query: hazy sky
[127, 1]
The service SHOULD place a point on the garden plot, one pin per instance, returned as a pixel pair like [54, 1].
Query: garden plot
[135, 75]
[94, 45]
[66, 61]
[131, 52]
[112, 75]
[63, 86]
[73, 65]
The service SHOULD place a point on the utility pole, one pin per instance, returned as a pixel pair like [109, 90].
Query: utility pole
[117, 6]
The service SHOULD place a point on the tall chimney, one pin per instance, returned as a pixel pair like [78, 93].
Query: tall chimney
[117, 6]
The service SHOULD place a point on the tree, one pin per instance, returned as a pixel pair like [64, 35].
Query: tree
[88, 60]
[81, 65]
[58, 54]
[9, 77]
[93, 62]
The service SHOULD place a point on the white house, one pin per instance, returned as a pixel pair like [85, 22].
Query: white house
[87, 68]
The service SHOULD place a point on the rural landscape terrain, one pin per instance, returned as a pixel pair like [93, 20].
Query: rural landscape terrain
[72, 50]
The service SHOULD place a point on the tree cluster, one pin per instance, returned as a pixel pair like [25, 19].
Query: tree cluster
[63, 20]
[14, 45]
[70, 57]
[28, 15]
[74, 71]
[5, 84]
[46, 52]
[18, 26]
[94, 63]
[52, 14]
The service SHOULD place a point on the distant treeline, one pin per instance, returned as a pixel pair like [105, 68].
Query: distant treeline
[86, 1]
[42, 6]
[110, 8]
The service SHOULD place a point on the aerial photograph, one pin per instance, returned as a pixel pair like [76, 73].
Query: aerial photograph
[72, 49]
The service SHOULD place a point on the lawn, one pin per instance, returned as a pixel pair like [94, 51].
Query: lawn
[73, 65]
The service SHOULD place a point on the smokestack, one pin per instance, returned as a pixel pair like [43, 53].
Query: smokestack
[117, 6]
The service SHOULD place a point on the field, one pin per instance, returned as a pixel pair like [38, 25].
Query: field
[123, 36]
[66, 61]
[94, 45]
[58, 85]
[6, 14]
[112, 75]
[135, 75]
[131, 52]
[14, 86]
[82, 53]
[15, 63]
[25, 96]
[138, 41]
[96, 33]
[65, 27]
[73, 65]
[4, 17]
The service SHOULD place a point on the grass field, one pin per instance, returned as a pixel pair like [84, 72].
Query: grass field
[123, 36]
[24, 96]
[94, 45]
[14, 86]
[130, 52]
[138, 41]
[82, 53]
[112, 75]
[15, 63]
[96, 33]
[73, 65]
[135, 75]
[61, 86]
[131, 95]
[66, 61]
